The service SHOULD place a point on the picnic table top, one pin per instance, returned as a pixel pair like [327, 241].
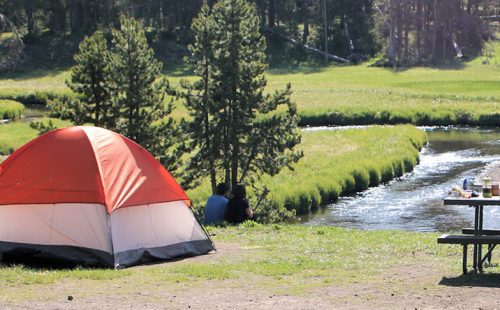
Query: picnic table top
[494, 201]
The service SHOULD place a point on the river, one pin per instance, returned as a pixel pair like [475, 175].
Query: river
[415, 201]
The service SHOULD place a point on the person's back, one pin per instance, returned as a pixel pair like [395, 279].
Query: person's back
[216, 206]
[238, 210]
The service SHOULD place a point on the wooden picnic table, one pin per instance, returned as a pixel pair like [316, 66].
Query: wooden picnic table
[480, 236]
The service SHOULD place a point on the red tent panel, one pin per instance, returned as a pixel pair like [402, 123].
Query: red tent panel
[85, 165]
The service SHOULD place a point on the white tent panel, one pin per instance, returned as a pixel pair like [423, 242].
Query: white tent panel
[70, 224]
[156, 225]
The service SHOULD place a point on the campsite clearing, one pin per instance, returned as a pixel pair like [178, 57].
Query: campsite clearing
[269, 266]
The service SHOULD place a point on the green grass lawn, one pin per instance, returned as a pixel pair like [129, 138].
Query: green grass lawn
[464, 94]
[15, 134]
[279, 259]
[277, 252]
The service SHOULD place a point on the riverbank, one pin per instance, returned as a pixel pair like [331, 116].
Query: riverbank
[269, 267]
[415, 201]
[335, 163]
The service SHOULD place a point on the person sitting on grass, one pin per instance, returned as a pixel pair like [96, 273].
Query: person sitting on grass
[216, 205]
[238, 210]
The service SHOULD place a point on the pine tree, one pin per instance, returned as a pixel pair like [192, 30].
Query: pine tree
[248, 137]
[89, 78]
[200, 104]
[139, 90]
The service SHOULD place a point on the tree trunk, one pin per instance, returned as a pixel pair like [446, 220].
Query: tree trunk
[325, 30]
[406, 24]
[434, 31]
[399, 30]
[28, 9]
[418, 30]
[227, 171]
[261, 6]
[235, 139]
[272, 13]
[305, 20]
[206, 120]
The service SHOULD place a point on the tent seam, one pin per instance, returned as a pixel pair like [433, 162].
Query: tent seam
[97, 161]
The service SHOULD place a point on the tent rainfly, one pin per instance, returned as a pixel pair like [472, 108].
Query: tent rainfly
[87, 195]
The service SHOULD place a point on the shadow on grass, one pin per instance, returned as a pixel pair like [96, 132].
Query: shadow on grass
[304, 69]
[32, 74]
[177, 70]
[457, 65]
[473, 279]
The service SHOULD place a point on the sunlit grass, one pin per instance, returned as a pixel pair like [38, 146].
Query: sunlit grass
[21, 275]
[278, 258]
[15, 134]
[358, 94]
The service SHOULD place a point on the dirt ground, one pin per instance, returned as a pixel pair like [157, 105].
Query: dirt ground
[407, 287]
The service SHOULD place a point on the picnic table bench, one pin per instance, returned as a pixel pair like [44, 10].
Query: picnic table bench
[476, 236]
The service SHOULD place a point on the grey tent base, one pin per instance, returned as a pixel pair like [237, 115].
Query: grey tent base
[57, 255]
[70, 255]
[148, 255]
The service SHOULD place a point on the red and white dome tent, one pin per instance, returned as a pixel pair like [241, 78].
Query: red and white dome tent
[87, 195]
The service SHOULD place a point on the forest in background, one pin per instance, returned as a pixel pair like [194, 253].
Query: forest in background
[405, 32]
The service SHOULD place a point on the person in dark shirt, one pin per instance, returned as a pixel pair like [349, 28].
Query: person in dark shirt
[238, 210]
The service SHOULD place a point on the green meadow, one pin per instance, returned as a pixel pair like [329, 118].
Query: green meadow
[463, 94]
[15, 134]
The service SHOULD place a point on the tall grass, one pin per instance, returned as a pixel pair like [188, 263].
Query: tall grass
[10, 109]
[339, 162]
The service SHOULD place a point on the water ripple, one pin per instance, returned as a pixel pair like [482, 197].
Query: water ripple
[414, 202]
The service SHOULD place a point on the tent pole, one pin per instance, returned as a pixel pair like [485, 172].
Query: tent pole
[197, 218]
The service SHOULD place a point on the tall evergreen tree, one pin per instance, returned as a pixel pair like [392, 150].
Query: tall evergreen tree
[89, 77]
[200, 104]
[139, 90]
[247, 135]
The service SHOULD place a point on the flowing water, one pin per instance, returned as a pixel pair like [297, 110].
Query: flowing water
[415, 201]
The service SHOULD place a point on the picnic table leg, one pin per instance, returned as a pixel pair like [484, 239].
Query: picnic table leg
[490, 246]
[476, 231]
[464, 260]
[480, 232]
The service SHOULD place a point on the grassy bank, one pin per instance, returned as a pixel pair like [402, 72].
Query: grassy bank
[466, 94]
[340, 162]
[277, 259]
[10, 109]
